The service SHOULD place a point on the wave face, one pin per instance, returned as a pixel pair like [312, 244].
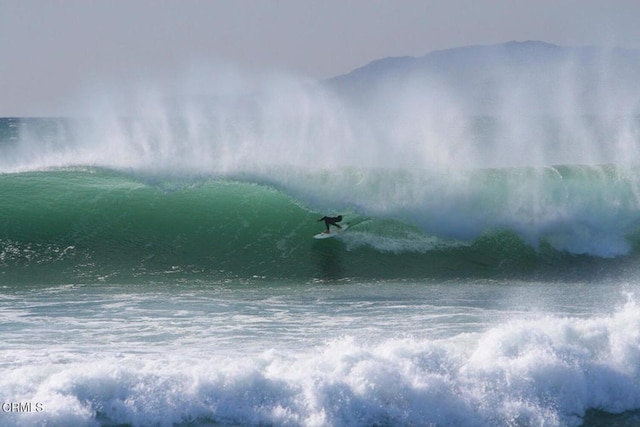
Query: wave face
[98, 224]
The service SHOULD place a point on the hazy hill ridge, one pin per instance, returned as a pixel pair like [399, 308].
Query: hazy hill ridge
[480, 77]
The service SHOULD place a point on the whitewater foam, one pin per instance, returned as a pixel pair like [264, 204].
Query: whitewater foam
[545, 370]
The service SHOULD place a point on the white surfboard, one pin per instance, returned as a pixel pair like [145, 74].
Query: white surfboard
[334, 232]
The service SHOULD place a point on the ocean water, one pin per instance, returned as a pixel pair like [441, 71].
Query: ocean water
[157, 266]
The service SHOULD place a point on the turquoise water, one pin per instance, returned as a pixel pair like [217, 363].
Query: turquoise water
[87, 224]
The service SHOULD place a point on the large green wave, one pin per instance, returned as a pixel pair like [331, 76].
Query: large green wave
[88, 224]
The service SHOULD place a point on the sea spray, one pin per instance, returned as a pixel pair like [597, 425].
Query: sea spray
[512, 105]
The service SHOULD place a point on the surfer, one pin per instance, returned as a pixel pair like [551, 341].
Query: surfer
[331, 220]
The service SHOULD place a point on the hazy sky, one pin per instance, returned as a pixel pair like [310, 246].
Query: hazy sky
[50, 50]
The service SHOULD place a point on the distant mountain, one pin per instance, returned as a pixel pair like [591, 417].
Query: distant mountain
[536, 76]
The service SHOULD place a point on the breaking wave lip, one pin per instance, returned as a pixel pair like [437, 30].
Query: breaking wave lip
[580, 209]
[539, 371]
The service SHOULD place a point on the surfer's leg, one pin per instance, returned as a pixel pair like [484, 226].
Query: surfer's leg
[334, 223]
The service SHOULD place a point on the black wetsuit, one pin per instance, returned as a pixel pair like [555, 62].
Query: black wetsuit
[331, 220]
